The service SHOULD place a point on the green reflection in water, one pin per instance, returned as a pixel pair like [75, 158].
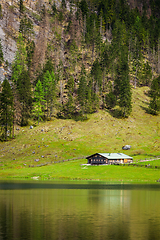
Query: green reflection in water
[74, 213]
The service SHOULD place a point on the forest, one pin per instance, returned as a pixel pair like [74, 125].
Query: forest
[86, 56]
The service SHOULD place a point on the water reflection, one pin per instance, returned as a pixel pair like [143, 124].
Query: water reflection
[74, 213]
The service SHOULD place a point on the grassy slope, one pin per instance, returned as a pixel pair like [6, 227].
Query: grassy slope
[63, 139]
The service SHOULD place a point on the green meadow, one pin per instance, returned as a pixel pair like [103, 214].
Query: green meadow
[40, 152]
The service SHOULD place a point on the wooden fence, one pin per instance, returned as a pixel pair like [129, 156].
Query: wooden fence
[126, 164]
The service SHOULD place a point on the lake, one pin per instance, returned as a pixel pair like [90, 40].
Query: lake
[78, 210]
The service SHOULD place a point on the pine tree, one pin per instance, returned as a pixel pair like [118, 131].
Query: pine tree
[19, 66]
[20, 62]
[49, 85]
[21, 6]
[38, 101]
[96, 74]
[84, 7]
[24, 96]
[124, 84]
[110, 99]
[30, 52]
[1, 15]
[69, 108]
[137, 55]
[6, 110]
[1, 54]
[154, 105]
[82, 89]
[26, 27]
[54, 9]
[63, 4]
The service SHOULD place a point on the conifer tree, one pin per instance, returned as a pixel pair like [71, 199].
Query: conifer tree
[1, 15]
[20, 62]
[54, 9]
[30, 52]
[154, 105]
[21, 6]
[24, 96]
[92, 101]
[6, 110]
[96, 74]
[1, 54]
[84, 7]
[124, 87]
[26, 27]
[49, 85]
[19, 67]
[82, 89]
[63, 4]
[136, 59]
[69, 108]
[38, 104]
[110, 99]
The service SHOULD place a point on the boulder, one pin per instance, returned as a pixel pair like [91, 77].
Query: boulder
[36, 160]
[126, 147]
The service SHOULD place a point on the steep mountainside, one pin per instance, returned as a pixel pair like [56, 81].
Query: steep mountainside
[70, 58]
[10, 23]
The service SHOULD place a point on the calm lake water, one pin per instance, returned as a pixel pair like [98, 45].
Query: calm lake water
[65, 211]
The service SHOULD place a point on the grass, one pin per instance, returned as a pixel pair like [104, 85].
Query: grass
[57, 140]
[73, 170]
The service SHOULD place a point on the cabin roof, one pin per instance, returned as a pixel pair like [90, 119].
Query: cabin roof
[113, 155]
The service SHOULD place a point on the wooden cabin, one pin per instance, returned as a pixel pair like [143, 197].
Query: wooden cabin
[109, 158]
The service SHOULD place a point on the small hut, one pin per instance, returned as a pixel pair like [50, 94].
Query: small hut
[109, 158]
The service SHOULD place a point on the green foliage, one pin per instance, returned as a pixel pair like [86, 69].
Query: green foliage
[92, 100]
[43, 12]
[82, 89]
[145, 75]
[73, 50]
[21, 6]
[60, 16]
[120, 38]
[1, 15]
[30, 52]
[24, 96]
[49, 87]
[1, 54]
[68, 110]
[54, 9]
[110, 100]
[6, 111]
[70, 85]
[20, 62]
[63, 4]
[111, 40]
[26, 27]
[154, 105]
[96, 74]
[84, 7]
[122, 86]
[38, 104]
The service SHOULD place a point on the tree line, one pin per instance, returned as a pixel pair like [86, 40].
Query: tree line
[96, 52]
